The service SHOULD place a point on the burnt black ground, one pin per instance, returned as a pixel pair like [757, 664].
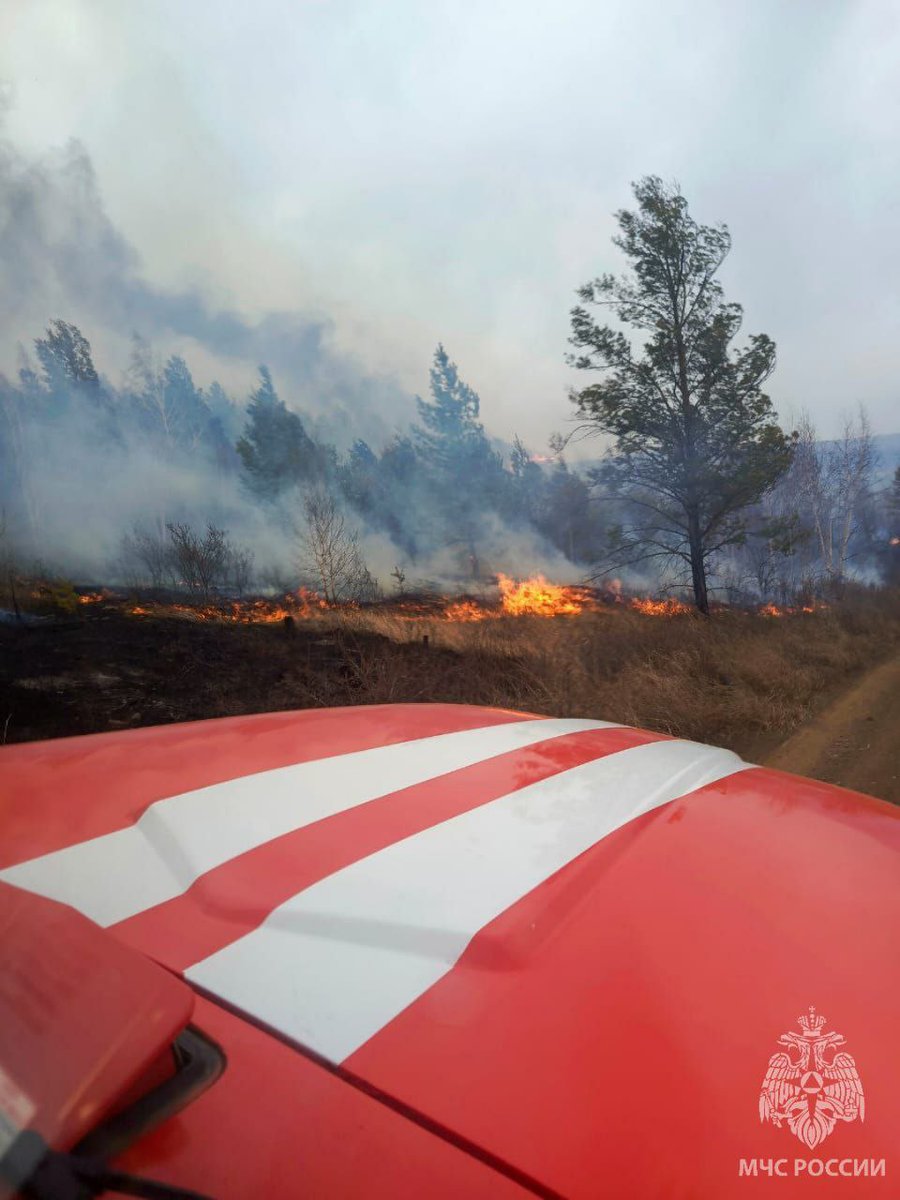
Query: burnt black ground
[107, 669]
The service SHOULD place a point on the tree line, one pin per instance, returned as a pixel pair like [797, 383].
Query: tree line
[699, 485]
[439, 487]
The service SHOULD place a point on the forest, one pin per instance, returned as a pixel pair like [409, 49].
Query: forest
[160, 469]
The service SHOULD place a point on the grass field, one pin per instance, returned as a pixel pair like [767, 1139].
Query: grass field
[741, 680]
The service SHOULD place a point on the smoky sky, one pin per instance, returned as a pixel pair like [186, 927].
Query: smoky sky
[339, 186]
[61, 254]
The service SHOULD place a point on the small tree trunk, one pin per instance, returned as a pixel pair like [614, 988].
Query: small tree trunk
[695, 539]
[474, 560]
[698, 566]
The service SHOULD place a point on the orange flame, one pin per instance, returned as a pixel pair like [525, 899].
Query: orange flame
[244, 612]
[537, 597]
[527, 597]
[466, 610]
[659, 608]
[773, 610]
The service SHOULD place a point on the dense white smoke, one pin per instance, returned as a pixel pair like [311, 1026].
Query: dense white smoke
[72, 490]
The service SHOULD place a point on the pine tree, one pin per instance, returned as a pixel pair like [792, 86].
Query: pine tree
[466, 474]
[190, 419]
[170, 410]
[450, 417]
[275, 449]
[566, 517]
[65, 354]
[527, 484]
[71, 385]
[696, 439]
[359, 478]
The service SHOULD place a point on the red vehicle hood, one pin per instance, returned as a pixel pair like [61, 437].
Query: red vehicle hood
[571, 946]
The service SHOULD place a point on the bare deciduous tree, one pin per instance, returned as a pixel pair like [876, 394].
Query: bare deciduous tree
[199, 561]
[240, 568]
[834, 480]
[329, 551]
[148, 555]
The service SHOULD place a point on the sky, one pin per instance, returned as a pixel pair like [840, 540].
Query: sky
[403, 173]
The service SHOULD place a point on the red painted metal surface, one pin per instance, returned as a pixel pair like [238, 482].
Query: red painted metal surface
[279, 1126]
[230, 901]
[607, 1033]
[58, 793]
[81, 1017]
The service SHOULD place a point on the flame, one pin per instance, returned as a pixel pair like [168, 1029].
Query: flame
[92, 598]
[256, 612]
[466, 610]
[771, 610]
[296, 605]
[659, 608]
[537, 597]
[417, 610]
[309, 599]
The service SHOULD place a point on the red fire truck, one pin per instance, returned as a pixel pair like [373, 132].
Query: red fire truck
[439, 951]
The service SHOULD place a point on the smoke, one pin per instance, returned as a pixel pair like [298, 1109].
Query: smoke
[513, 552]
[79, 497]
[77, 477]
[60, 255]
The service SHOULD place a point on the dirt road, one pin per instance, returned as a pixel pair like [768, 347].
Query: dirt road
[855, 741]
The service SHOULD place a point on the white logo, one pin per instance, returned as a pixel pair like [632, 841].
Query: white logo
[810, 1085]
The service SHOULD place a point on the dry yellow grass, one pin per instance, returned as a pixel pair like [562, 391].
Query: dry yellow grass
[740, 680]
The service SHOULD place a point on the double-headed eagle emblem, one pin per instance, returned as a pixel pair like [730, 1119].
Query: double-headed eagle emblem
[811, 1085]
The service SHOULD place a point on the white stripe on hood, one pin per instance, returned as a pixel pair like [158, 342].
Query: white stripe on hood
[336, 963]
[176, 840]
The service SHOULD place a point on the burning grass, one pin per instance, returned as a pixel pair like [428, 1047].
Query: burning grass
[741, 679]
[535, 597]
[300, 605]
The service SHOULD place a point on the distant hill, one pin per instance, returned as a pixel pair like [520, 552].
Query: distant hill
[888, 447]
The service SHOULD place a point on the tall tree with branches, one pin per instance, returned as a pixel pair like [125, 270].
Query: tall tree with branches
[275, 449]
[65, 355]
[464, 470]
[696, 439]
[330, 553]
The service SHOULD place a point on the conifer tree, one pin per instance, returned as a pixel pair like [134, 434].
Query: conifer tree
[696, 439]
[275, 449]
